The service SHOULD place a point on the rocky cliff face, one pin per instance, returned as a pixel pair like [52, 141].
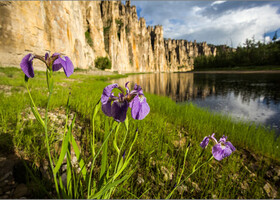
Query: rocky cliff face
[180, 54]
[56, 26]
[130, 44]
[84, 30]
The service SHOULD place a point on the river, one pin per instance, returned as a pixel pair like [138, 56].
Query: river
[252, 97]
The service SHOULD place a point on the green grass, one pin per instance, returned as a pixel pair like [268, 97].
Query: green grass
[159, 155]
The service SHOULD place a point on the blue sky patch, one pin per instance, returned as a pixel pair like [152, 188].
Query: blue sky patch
[138, 10]
[176, 21]
[271, 34]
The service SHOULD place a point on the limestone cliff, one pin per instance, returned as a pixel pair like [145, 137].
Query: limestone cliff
[84, 30]
[180, 54]
[130, 44]
[56, 26]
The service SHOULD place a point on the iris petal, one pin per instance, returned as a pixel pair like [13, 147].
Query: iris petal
[63, 62]
[107, 108]
[68, 66]
[220, 151]
[229, 144]
[139, 108]
[58, 64]
[56, 54]
[27, 66]
[137, 90]
[47, 55]
[223, 139]
[205, 142]
[127, 89]
[119, 110]
[107, 93]
[227, 151]
[217, 152]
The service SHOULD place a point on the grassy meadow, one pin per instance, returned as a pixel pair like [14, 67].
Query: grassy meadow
[160, 147]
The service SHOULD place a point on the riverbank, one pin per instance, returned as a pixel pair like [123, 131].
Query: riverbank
[250, 172]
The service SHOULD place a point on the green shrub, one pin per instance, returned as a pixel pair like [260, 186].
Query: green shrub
[119, 22]
[102, 63]
[88, 38]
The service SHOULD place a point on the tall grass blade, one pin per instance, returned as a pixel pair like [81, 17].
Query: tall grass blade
[63, 152]
[104, 154]
[37, 115]
[108, 187]
[126, 123]
[77, 152]
[69, 172]
[94, 158]
[96, 109]
[124, 166]
[115, 141]
[135, 137]
[184, 163]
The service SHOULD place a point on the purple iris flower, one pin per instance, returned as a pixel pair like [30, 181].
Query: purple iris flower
[117, 107]
[221, 149]
[56, 61]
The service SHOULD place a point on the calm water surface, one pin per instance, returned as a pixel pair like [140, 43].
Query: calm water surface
[251, 97]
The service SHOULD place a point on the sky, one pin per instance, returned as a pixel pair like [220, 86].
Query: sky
[216, 22]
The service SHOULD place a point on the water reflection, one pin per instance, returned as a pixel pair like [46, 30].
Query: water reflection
[254, 97]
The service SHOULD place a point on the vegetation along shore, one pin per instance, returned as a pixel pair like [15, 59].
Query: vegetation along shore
[251, 56]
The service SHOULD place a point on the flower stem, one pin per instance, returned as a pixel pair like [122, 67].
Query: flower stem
[35, 110]
[49, 77]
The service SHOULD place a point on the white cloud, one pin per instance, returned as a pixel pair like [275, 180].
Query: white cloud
[223, 25]
[217, 2]
[267, 39]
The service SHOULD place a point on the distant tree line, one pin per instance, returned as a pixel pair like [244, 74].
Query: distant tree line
[251, 54]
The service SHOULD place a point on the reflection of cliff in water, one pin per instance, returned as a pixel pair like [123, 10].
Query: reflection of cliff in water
[187, 86]
[175, 85]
